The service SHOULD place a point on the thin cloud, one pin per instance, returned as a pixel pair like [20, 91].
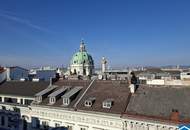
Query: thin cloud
[23, 21]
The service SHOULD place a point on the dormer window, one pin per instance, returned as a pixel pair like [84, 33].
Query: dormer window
[71, 95]
[107, 103]
[52, 100]
[57, 94]
[44, 93]
[39, 99]
[66, 101]
[89, 102]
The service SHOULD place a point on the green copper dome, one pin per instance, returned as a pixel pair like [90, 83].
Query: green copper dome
[82, 58]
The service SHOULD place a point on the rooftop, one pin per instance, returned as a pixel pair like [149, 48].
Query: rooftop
[159, 101]
[72, 84]
[17, 88]
[104, 90]
[152, 102]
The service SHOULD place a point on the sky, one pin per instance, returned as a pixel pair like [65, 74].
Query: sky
[37, 33]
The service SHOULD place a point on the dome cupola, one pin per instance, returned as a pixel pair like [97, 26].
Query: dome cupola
[82, 62]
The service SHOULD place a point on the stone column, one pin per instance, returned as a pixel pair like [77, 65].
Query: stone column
[23, 101]
[18, 101]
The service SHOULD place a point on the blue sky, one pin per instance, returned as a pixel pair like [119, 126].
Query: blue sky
[127, 32]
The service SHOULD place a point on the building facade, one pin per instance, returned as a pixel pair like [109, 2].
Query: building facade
[92, 105]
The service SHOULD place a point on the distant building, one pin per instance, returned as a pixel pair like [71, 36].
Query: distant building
[45, 74]
[185, 75]
[116, 74]
[3, 74]
[158, 76]
[16, 73]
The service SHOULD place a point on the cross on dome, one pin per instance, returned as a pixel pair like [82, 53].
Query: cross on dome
[82, 46]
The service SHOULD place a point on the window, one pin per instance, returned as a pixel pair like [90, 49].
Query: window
[39, 98]
[107, 104]
[66, 101]
[83, 128]
[45, 124]
[21, 101]
[57, 125]
[3, 107]
[52, 100]
[35, 122]
[16, 109]
[88, 103]
[69, 127]
[28, 102]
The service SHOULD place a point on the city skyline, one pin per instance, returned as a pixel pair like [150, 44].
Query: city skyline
[127, 33]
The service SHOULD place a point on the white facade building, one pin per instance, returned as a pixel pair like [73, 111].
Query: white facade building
[185, 76]
[127, 111]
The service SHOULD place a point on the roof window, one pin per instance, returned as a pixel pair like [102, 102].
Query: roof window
[108, 103]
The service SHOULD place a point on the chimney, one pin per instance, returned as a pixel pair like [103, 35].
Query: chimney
[50, 81]
[175, 115]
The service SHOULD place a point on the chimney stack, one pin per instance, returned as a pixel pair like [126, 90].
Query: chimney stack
[50, 81]
[175, 115]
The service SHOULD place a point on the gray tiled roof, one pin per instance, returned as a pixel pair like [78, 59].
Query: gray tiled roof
[17, 88]
[158, 101]
[72, 92]
[72, 84]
